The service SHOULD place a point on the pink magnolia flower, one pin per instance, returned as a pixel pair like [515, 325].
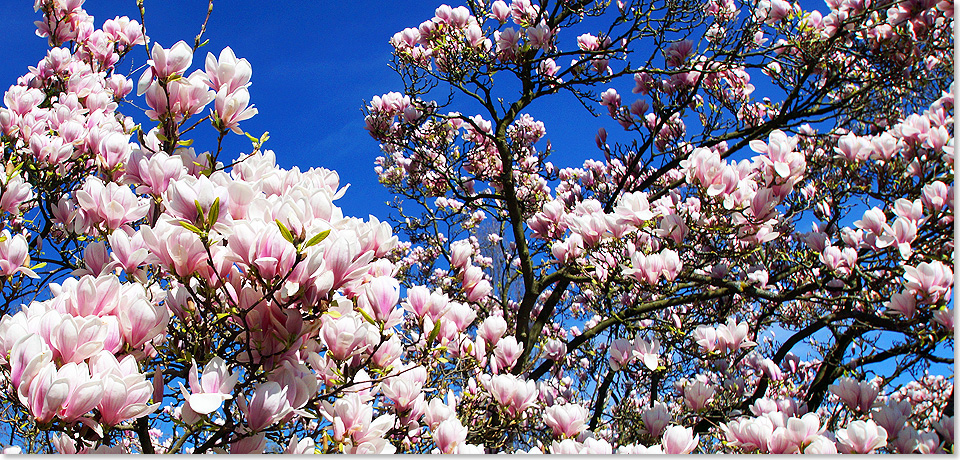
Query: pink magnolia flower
[99, 296]
[821, 445]
[854, 148]
[566, 420]
[129, 251]
[112, 204]
[474, 285]
[930, 280]
[857, 395]
[177, 248]
[381, 296]
[233, 107]
[540, 36]
[678, 52]
[404, 388]
[902, 303]
[249, 445]
[861, 437]
[460, 252]
[227, 71]
[873, 221]
[422, 303]
[353, 423]
[267, 406]
[780, 443]
[27, 356]
[141, 320]
[646, 268]
[569, 250]
[22, 100]
[14, 255]
[804, 430]
[893, 415]
[945, 428]
[507, 351]
[173, 61]
[389, 352]
[610, 99]
[514, 394]
[706, 337]
[76, 339]
[733, 336]
[566, 447]
[550, 221]
[837, 260]
[15, 192]
[67, 393]
[944, 316]
[780, 159]
[301, 446]
[500, 11]
[187, 96]
[153, 173]
[750, 434]
[554, 349]
[620, 354]
[184, 196]
[678, 440]
[634, 209]
[124, 398]
[462, 315]
[437, 411]
[347, 335]
[214, 386]
[935, 196]
[698, 395]
[588, 42]
[655, 418]
[647, 352]
[449, 435]
[492, 329]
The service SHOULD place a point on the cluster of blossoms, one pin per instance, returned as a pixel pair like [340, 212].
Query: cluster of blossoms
[235, 308]
[663, 274]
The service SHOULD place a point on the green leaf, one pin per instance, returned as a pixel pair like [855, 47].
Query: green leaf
[214, 213]
[318, 238]
[366, 316]
[38, 266]
[191, 227]
[186, 143]
[199, 209]
[434, 333]
[284, 231]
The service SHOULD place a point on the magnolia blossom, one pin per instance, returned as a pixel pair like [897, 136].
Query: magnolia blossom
[231, 108]
[214, 386]
[566, 420]
[861, 437]
[679, 440]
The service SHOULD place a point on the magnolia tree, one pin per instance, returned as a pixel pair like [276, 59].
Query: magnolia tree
[740, 273]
